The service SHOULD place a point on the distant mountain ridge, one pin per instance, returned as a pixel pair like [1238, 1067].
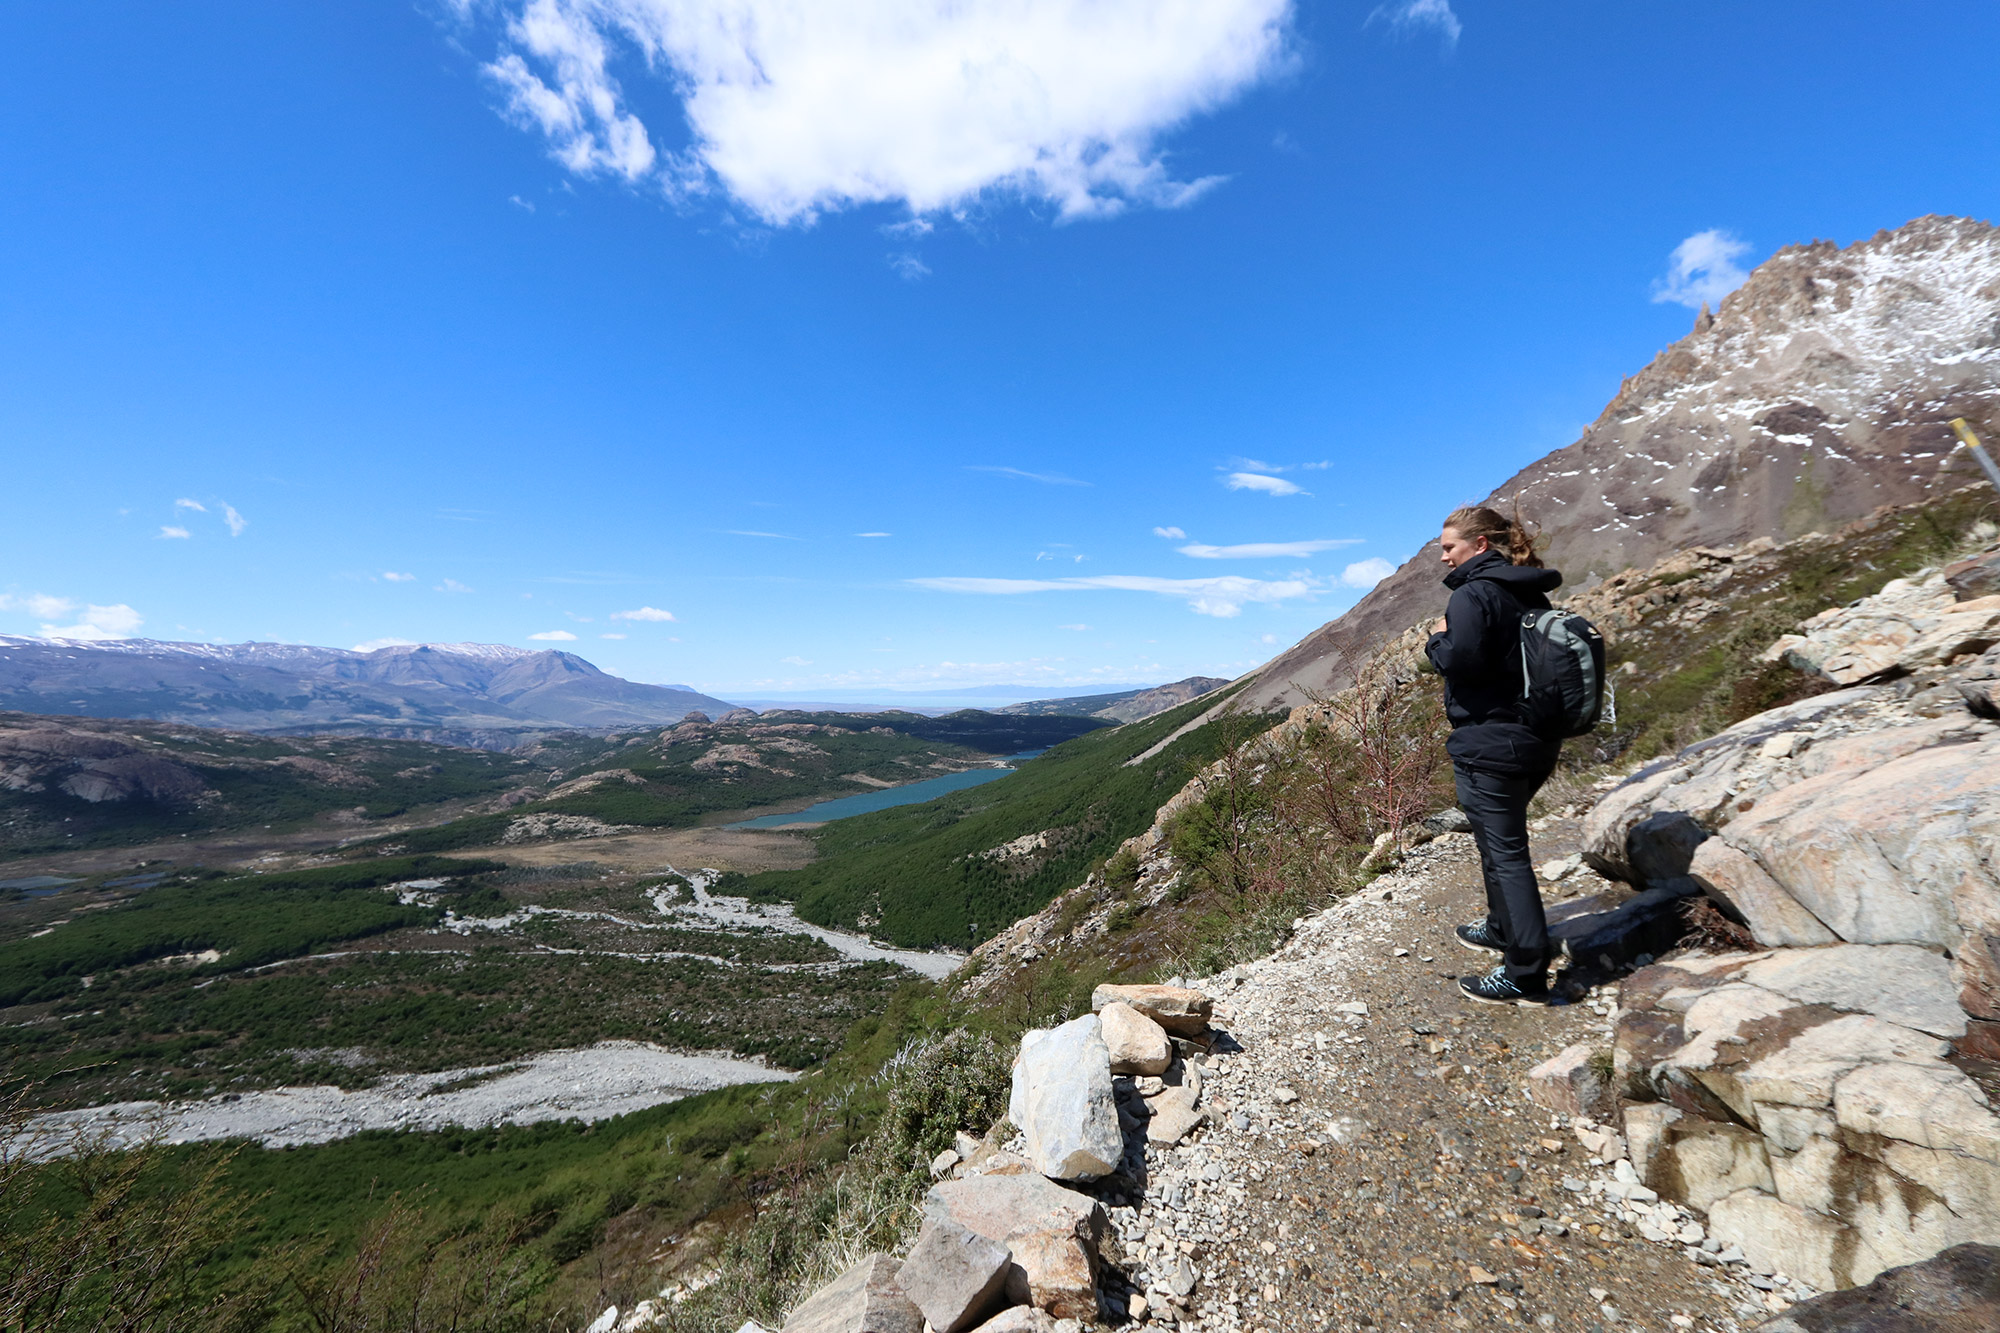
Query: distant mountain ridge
[489, 695]
[1122, 705]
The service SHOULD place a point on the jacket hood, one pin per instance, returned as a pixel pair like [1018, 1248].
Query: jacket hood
[1493, 567]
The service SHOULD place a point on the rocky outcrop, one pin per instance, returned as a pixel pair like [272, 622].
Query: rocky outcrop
[1821, 1102]
[1806, 1100]
[1869, 816]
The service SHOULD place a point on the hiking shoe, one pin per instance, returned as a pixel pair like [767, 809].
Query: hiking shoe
[1496, 987]
[1479, 935]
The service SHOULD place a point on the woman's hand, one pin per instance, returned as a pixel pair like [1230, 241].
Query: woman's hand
[1440, 627]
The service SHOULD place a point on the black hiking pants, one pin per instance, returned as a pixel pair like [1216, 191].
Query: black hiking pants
[1497, 805]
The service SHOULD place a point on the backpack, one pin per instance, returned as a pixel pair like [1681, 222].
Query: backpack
[1562, 673]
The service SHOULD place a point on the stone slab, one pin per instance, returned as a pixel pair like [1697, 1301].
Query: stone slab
[864, 1299]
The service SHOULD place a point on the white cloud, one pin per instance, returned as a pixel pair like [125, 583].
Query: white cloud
[373, 644]
[1046, 478]
[611, 636]
[1171, 534]
[873, 534]
[796, 661]
[394, 577]
[1078, 628]
[909, 268]
[751, 532]
[554, 636]
[235, 520]
[451, 585]
[1258, 481]
[1267, 550]
[1267, 638]
[1366, 573]
[1703, 269]
[168, 532]
[39, 605]
[1225, 596]
[653, 613]
[195, 505]
[95, 622]
[798, 107]
[1414, 15]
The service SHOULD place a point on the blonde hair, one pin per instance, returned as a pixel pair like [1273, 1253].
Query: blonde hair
[1513, 537]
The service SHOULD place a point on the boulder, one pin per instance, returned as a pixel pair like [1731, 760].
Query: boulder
[1137, 1044]
[1178, 1009]
[864, 1299]
[1062, 1101]
[1053, 1235]
[1954, 1291]
[955, 1276]
[1574, 1082]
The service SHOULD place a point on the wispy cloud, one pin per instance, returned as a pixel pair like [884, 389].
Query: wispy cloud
[1171, 534]
[873, 534]
[909, 268]
[1366, 573]
[554, 636]
[90, 622]
[751, 532]
[796, 661]
[611, 636]
[1224, 596]
[195, 505]
[393, 577]
[1267, 550]
[1414, 16]
[1703, 269]
[794, 110]
[643, 613]
[1078, 628]
[1046, 478]
[373, 645]
[1261, 481]
[168, 532]
[235, 520]
[452, 586]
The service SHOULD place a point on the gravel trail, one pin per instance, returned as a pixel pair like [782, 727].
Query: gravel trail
[1371, 1160]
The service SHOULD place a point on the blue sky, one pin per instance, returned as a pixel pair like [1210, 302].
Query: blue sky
[510, 319]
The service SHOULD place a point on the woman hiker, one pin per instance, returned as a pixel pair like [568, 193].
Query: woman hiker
[1497, 761]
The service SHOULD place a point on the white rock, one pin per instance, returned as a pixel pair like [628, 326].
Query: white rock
[1137, 1044]
[1063, 1103]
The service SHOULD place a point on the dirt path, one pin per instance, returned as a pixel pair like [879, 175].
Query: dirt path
[1371, 1160]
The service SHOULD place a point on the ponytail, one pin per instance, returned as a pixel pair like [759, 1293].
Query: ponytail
[1513, 537]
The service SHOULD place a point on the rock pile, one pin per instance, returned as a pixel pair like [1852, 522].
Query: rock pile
[1012, 1242]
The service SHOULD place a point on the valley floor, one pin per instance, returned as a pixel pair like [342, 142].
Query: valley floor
[1370, 1160]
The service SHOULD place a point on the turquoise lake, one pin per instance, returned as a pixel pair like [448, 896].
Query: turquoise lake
[910, 793]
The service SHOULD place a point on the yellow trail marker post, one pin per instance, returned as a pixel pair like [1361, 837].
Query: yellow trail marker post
[1971, 441]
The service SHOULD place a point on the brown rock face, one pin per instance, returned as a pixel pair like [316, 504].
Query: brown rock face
[1823, 387]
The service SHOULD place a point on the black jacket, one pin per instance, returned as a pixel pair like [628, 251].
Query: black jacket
[1479, 656]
